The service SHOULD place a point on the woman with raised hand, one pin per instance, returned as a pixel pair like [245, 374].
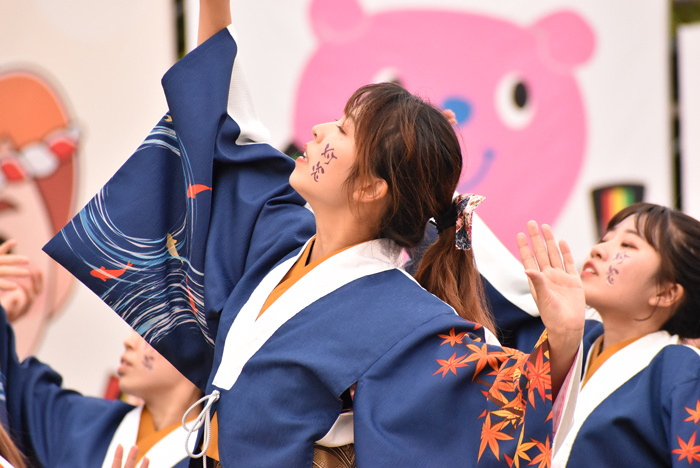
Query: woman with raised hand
[300, 326]
[639, 402]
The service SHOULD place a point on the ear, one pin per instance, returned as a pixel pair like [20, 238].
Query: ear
[669, 296]
[565, 39]
[337, 20]
[371, 191]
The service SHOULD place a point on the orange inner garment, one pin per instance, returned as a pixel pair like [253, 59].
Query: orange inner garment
[148, 436]
[598, 358]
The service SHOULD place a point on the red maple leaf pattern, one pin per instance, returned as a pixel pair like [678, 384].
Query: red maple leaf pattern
[452, 339]
[539, 377]
[451, 364]
[688, 450]
[512, 380]
[483, 356]
[521, 451]
[490, 435]
[694, 414]
[545, 457]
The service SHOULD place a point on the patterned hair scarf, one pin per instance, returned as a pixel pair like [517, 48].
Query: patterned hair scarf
[460, 215]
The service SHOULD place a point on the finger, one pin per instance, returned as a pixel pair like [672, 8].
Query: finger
[145, 462]
[118, 454]
[13, 271]
[568, 257]
[538, 246]
[525, 253]
[37, 281]
[131, 458]
[552, 249]
[6, 285]
[6, 246]
[12, 259]
[538, 283]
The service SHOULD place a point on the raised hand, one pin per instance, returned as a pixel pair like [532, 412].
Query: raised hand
[450, 116]
[558, 293]
[20, 283]
[130, 459]
[11, 266]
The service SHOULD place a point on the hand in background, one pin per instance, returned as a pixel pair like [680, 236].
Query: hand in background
[450, 116]
[130, 459]
[20, 283]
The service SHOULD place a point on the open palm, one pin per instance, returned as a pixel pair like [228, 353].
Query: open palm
[554, 282]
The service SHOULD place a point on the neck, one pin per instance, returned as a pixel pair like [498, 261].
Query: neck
[336, 231]
[167, 408]
[617, 330]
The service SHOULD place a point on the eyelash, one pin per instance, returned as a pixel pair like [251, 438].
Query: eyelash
[341, 129]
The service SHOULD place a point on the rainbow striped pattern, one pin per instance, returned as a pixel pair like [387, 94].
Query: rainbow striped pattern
[607, 201]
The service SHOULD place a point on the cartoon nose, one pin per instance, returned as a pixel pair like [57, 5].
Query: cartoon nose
[462, 108]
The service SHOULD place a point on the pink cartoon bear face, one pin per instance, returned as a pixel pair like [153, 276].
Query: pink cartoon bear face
[518, 106]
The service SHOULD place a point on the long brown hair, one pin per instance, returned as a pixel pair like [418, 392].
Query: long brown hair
[407, 142]
[676, 237]
[9, 450]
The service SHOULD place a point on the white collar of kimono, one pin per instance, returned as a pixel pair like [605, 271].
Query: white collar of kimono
[247, 335]
[168, 452]
[618, 369]
[500, 267]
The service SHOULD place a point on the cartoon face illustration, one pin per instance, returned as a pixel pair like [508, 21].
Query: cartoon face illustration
[37, 184]
[518, 106]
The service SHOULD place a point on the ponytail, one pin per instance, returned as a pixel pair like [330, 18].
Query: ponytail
[9, 450]
[451, 275]
[410, 144]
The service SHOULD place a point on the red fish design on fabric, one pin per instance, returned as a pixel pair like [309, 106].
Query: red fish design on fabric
[189, 293]
[105, 274]
[194, 189]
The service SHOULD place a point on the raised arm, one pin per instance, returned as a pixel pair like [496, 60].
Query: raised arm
[202, 202]
[214, 15]
[559, 295]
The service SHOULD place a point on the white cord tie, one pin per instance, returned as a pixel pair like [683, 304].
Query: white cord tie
[204, 419]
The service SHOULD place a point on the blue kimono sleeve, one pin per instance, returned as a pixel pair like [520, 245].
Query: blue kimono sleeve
[53, 426]
[201, 202]
[682, 411]
[443, 397]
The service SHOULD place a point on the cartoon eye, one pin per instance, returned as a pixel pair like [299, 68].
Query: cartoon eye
[513, 101]
[387, 75]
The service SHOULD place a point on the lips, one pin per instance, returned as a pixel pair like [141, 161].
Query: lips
[589, 269]
[123, 366]
[303, 158]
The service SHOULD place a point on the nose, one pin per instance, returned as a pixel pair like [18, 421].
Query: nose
[599, 251]
[320, 131]
[462, 108]
[132, 341]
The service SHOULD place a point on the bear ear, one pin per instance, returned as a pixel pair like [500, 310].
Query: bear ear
[566, 38]
[337, 20]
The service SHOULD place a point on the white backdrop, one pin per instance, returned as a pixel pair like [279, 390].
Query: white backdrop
[689, 108]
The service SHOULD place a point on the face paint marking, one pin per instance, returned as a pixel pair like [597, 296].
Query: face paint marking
[316, 170]
[618, 259]
[148, 362]
[148, 357]
[328, 154]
